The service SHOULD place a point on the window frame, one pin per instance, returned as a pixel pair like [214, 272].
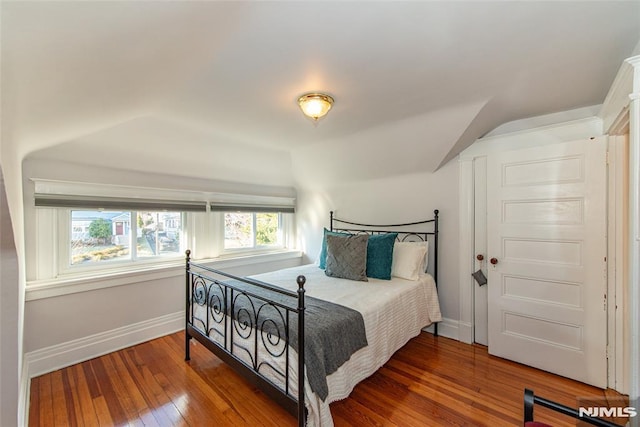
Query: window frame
[198, 233]
[254, 249]
[64, 252]
[48, 223]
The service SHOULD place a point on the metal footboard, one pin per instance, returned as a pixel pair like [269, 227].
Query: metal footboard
[248, 324]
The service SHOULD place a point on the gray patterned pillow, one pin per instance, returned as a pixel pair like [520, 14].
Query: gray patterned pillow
[347, 257]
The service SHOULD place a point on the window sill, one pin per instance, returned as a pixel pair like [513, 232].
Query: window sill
[72, 284]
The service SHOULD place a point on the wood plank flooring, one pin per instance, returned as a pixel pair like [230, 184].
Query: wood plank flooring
[432, 381]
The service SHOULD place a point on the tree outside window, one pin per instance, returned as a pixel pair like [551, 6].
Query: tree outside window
[99, 236]
[247, 230]
[94, 238]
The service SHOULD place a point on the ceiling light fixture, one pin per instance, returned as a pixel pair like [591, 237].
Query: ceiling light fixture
[315, 105]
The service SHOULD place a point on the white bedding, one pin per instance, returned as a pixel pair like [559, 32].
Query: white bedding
[394, 311]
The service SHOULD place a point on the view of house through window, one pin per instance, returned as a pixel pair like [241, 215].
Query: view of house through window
[101, 236]
[244, 230]
[158, 234]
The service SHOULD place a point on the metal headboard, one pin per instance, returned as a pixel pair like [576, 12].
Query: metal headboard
[407, 232]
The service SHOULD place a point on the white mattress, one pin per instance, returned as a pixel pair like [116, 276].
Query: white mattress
[394, 311]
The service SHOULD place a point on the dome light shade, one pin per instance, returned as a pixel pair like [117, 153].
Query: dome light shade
[315, 105]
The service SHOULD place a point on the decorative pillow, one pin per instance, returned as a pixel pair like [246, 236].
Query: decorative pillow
[347, 257]
[409, 260]
[380, 255]
[323, 251]
[425, 263]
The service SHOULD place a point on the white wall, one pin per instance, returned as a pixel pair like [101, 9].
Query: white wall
[53, 323]
[61, 319]
[397, 199]
[10, 348]
[13, 393]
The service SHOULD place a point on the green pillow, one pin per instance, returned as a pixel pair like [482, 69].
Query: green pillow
[380, 255]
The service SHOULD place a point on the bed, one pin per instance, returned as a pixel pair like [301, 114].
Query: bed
[320, 319]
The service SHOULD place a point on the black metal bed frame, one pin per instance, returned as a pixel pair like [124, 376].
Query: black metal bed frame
[530, 399]
[221, 298]
[232, 307]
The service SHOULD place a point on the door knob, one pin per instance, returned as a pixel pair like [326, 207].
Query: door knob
[493, 261]
[479, 257]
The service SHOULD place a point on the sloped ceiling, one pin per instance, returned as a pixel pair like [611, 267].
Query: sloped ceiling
[162, 83]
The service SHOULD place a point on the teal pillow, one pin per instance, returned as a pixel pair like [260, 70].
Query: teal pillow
[323, 250]
[380, 255]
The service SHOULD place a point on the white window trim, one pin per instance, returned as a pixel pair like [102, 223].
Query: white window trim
[70, 284]
[283, 228]
[49, 274]
[64, 268]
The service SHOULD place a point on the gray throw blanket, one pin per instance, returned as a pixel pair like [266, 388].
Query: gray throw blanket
[332, 332]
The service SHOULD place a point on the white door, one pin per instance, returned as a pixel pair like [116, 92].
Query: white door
[546, 230]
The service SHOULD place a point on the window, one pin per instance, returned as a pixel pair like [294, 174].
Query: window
[252, 230]
[102, 237]
[159, 234]
[93, 231]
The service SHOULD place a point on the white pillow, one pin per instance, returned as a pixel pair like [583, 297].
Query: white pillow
[426, 255]
[409, 259]
[425, 261]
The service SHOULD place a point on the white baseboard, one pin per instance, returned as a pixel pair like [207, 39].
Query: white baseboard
[465, 332]
[59, 356]
[446, 328]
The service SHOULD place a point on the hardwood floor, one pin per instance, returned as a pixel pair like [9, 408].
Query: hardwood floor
[432, 381]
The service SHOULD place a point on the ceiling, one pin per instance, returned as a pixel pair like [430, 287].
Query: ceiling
[161, 85]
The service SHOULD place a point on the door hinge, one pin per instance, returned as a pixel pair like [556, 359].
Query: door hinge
[607, 157]
[604, 305]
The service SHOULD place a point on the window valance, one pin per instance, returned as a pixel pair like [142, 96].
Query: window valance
[82, 195]
[116, 203]
[221, 207]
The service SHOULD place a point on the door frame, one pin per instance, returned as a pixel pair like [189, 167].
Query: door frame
[546, 135]
[480, 246]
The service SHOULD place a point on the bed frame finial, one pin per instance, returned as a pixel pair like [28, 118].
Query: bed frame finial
[301, 280]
